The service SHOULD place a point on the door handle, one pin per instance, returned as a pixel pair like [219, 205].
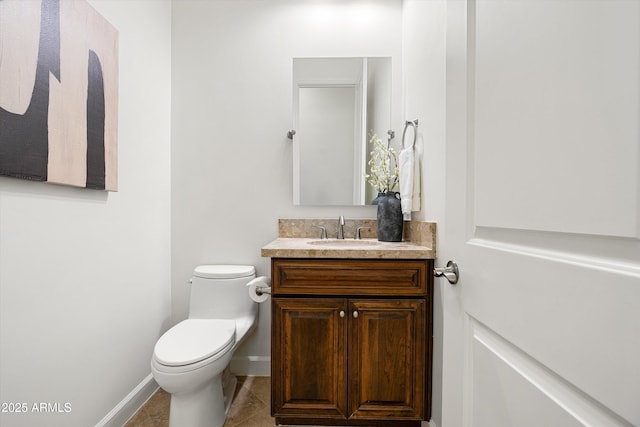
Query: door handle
[450, 272]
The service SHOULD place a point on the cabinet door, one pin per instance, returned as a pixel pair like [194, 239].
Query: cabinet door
[387, 359]
[308, 358]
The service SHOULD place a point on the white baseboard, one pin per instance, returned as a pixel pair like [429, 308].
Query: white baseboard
[251, 365]
[128, 406]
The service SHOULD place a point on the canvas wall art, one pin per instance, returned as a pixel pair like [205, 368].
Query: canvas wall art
[58, 93]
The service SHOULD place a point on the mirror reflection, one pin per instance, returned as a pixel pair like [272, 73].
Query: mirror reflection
[338, 104]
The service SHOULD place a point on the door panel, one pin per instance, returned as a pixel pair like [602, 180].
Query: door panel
[543, 214]
[555, 111]
[311, 382]
[536, 395]
[387, 358]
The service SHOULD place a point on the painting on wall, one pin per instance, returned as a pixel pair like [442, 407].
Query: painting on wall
[58, 93]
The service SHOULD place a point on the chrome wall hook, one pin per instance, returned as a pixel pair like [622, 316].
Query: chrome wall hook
[290, 133]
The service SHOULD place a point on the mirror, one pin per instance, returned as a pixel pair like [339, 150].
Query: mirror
[337, 104]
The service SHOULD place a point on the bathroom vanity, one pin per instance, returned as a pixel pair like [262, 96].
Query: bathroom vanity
[351, 334]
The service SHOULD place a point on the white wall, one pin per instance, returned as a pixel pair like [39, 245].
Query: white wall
[84, 274]
[424, 59]
[232, 97]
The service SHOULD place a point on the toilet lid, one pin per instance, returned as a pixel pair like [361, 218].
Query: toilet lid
[193, 340]
[224, 271]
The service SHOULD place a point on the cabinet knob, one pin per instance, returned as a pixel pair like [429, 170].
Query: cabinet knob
[355, 314]
[341, 313]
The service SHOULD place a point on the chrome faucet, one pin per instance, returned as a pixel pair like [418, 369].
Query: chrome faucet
[341, 227]
[323, 231]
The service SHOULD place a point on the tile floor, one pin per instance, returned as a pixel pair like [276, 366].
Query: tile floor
[250, 407]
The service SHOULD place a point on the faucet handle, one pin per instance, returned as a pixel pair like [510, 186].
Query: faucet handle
[323, 231]
[357, 236]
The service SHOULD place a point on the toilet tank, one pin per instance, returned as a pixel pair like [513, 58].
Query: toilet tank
[220, 292]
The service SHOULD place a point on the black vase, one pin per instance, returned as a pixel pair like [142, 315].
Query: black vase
[377, 199]
[390, 218]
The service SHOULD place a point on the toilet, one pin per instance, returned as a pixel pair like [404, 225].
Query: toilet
[191, 360]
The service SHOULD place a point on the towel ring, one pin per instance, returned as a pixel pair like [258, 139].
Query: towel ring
[408, 123]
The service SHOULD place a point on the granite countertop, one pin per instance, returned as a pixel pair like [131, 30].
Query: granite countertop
[298, 239]
[292, 247]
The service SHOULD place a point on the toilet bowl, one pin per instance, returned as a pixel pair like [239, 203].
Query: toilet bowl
[191, 360]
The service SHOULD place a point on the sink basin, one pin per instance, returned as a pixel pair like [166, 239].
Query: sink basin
[345, 242]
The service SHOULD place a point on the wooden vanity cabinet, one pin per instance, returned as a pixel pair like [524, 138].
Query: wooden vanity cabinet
[351, 341]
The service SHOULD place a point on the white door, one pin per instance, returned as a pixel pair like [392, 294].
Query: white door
[542, 214]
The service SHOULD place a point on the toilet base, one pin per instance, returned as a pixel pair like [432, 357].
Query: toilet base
[229, 383]
[200, 408]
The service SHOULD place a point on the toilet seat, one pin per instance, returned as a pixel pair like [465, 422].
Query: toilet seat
[194, 340]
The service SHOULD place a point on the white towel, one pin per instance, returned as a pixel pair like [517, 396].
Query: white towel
[405, 163]
[409, 174]
[417, 183]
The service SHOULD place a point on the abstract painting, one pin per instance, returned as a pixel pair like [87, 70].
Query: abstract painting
[58, 93]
